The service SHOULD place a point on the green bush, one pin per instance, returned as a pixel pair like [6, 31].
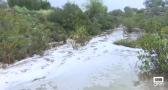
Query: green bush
[95, 8]
[57, 32]
[100, 19]
[94, 28]
[164, 32]
[69, 17]
[155, 53]
[30, 4]
[129, 23]
[81, 35]
[21, 35]
[126, 43]
[25, 29]
[152, 25]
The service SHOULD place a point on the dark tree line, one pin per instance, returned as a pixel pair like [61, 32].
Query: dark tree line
[30, 4]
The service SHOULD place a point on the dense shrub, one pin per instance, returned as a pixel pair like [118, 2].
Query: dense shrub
[126, 43]
[152, 26]
[30, 4]
[94, 28]
[20, 36]
[100, 19]
[129, 23]
[56, 16]
[156, 53]
[95, 8]
[153, 21]
[57, 32]
[69, 17]
[27, 26]
[80, 35]
[164, 32]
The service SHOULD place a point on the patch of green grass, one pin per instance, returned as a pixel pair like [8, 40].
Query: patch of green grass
[126, 43]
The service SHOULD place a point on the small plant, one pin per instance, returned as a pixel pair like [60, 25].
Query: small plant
[80, 36]
[126, 43]
[164, 32]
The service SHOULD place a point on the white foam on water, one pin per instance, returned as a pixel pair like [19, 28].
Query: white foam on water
[100, 63]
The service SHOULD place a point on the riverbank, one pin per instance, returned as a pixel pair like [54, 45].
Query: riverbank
[56, 61]
[100, 65]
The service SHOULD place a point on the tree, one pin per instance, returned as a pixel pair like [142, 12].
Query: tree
[153, 3]
[56, 16]
[155, 7]
[152, 26]
[130, 11]
[117, 12]
[30, 4]
[72, 15]
[97, 13]
[95, 8]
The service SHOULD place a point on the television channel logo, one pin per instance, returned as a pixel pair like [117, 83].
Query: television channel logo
[158, 81]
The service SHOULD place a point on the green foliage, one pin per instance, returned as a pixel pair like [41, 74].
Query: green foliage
[80, 35]
[117, 12]
[156, 52]
[95, 8]
[68, 17]
[154, 43]
[99, 18]
[153, 21]
[106, 21]
[152, 26]
[30, 4]
[126, 43]
[20, 36]
[153, 3]
[26, 30]
[164, 32]
[94, 28]
[155, 7]
[73, 15]
[129, 11]
[129, 23]
[56, 16]
[57, 32]
[132, 18]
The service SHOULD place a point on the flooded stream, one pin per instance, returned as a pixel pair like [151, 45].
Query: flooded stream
[100, 65]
